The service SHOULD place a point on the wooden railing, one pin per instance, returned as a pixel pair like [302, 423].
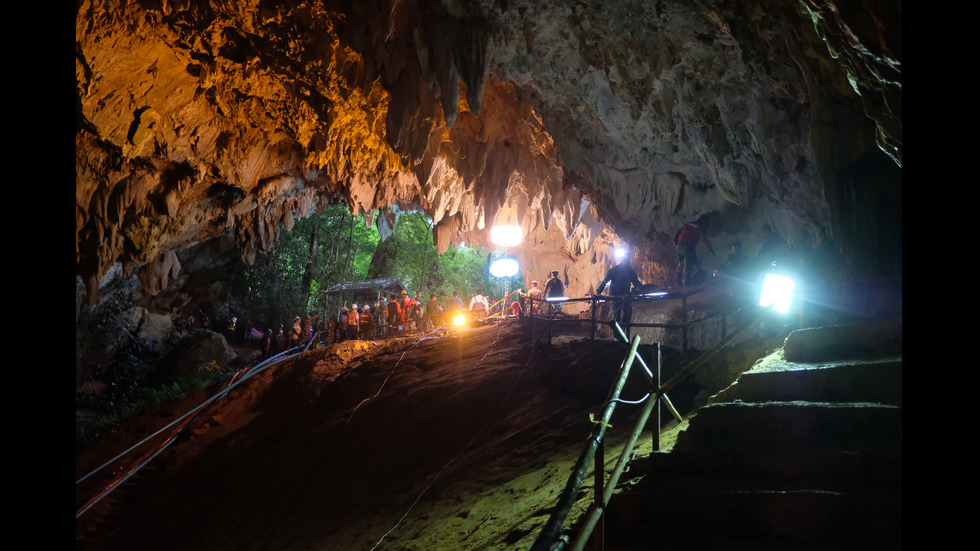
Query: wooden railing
[547, 317]
[595, 451]
[590, 530]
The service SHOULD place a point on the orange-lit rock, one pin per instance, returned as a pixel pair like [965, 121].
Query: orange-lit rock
[610, 122]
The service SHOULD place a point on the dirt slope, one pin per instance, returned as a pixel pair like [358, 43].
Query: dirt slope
[458, 442]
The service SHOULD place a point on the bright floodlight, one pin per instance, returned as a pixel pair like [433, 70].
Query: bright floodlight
[620, 253]
[504, 267]
[459, 319]
[556, 299]
[778, 291]
[506, 235]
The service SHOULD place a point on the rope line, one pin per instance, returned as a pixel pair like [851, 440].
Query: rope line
[483, 429]
[424, 336]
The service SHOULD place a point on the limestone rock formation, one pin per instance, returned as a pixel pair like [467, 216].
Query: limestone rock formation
[589, 123]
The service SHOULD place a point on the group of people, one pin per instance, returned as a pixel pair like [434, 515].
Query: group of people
[553, 288]
[403, 314]
[300, 332]
[400, 315]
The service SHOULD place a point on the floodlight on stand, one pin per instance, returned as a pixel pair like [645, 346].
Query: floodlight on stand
[504, 267]
[777, 290]
[506, 235]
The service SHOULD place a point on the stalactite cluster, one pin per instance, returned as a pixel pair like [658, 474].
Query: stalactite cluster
[587, 123]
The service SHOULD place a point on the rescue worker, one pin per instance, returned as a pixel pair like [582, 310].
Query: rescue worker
[406, 311]
[622, 281]
[394, 317]
[353, 321]
[552, 289]
[230, 330]
[367, 324]
[536, 295]
[686, 239]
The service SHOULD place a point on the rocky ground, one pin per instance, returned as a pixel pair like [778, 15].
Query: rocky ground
[460, 441]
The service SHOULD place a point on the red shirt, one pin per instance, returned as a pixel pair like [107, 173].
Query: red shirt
[690, 234]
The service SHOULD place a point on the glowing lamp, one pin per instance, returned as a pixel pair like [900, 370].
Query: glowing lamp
[556, 299]
[620, 253]
[504, 267]
[459, 320]
[777, 291]
[506, 235]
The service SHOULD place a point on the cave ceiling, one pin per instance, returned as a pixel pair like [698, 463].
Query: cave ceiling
[589, 123]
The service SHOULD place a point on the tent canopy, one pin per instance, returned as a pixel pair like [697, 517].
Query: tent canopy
[369, 290]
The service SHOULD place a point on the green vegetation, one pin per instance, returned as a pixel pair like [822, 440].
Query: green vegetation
[319, 252]
[334, 246]
[206, 375]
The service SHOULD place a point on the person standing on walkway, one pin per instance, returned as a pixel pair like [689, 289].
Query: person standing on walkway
[552, 289]
[686, 240]
[536, 295]
[623, 281]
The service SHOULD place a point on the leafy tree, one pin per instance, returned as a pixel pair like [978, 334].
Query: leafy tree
[409, 253]
[334, 246]
[320, 251]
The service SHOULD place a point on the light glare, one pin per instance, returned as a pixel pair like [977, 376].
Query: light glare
[506, 235]
[504, 267]
[777, 290]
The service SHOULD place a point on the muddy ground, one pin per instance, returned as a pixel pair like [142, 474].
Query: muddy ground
[463, 440]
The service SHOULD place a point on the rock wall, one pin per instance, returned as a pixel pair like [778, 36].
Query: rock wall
[588, 123]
